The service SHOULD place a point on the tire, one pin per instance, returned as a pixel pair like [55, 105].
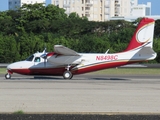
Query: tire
[67, 75]
[8, 76]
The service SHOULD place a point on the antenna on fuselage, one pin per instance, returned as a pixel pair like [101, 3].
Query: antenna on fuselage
[44, 51]
[45, 48]
[107, 51]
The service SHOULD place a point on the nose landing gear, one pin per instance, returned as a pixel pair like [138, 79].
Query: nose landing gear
[8, 76]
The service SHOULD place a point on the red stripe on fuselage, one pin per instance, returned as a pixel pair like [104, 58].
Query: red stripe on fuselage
[40, 71]
[102, 66]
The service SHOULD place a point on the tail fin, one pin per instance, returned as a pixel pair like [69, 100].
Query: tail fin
[143, 35]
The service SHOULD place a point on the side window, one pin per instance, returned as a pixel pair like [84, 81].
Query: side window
[37, 59]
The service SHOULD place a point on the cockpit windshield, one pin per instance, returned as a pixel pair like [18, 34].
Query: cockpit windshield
[30, 58]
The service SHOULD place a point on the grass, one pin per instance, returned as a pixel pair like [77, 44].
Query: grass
[18, 112]
[3, 70]
[130, 71]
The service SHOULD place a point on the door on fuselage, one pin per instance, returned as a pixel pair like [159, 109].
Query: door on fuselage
[37, 60]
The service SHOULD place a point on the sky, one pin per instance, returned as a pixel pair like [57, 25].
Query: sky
[155, 10]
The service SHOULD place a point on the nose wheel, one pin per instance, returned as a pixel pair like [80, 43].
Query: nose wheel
[8, 76]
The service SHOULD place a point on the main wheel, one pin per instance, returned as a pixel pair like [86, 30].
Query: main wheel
[8, 76]
[67, 75]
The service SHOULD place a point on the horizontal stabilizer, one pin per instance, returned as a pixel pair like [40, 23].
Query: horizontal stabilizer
[146, 50]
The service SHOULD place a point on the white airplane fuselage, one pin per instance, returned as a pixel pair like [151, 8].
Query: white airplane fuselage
[80, 64]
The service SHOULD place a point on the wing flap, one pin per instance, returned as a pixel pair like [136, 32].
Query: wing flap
[60, 49]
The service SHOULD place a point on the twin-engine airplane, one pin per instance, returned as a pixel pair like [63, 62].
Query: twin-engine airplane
[66, 62]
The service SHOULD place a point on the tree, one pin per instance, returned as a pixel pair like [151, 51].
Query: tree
[157, 29]
[34, 27]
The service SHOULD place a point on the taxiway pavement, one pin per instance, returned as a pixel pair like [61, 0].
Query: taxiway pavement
[86, 93]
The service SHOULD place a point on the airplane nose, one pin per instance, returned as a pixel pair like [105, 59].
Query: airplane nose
[9, 67]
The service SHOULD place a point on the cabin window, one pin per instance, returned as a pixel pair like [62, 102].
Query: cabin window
[30, 58]
[37, 59]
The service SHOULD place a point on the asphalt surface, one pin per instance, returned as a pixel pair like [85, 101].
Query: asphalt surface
[125, 96]
[76, 117]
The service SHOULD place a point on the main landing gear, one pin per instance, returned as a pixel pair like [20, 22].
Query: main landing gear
[67, 74]
[8, 76]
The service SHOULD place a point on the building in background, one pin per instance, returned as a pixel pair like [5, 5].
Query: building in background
[122, 7]
[92, 9]
[135, 11]
[15, 4]
[141, 10]
[97, 10]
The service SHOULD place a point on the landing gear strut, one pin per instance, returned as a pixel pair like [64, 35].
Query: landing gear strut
[67, 74]
[8, 76]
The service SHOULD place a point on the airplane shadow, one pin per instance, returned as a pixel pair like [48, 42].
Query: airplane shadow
[116, 79]
[37, 78]
[54, 78]
[47, 77]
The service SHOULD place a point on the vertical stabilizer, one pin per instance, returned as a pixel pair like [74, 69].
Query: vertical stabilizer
[143, 35]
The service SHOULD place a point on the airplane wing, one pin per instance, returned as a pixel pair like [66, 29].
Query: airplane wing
[60, 49]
